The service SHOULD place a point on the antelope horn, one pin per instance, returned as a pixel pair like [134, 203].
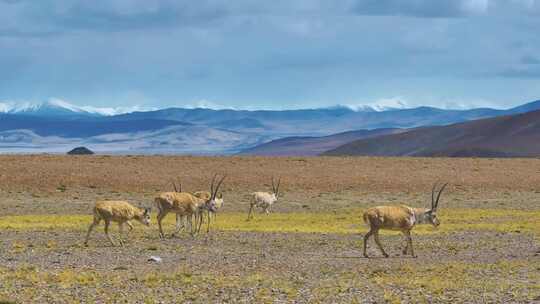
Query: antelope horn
[433, 194]
[277, 188]
[174, 185]
[217, 187]
[439, 195]
[212, 184]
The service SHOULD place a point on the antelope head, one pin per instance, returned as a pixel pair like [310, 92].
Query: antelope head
[275, 189]
[144, 218]
[219, 199]
[210, 204]
[430, 216]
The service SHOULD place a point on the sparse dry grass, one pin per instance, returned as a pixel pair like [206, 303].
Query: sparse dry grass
[455, 281]
[486, 250]
[449, 282]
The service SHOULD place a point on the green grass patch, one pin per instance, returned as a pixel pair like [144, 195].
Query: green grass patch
[320, 222]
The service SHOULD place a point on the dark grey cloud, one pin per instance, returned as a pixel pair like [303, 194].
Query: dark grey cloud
[421, 8]
[12, 32]
[85, 16]
[530, 59]
[112, 15]
[522, 72]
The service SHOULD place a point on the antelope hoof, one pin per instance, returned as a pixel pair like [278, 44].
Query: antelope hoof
[385, 255]
[414, 256]
[366, 256]
[85, 244]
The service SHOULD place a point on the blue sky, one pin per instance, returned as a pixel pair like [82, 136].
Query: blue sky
[271, 54]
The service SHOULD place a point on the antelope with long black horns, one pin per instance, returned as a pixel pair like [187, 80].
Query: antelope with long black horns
[402, 218]
[185, 204]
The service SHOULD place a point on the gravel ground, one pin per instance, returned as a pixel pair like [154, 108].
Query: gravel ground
[484, 266]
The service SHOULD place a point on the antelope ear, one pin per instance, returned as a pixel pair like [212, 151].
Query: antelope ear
[220, 196]
[147, 210]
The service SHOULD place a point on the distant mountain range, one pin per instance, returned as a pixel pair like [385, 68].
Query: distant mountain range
[515, 135]
[55, 125]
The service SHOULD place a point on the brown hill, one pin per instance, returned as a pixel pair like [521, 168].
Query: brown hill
[308, 146]
[505, 136]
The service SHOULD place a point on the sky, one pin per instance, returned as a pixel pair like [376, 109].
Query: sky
[279, 54]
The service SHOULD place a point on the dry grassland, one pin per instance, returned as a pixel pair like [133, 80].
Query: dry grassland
[487, 248]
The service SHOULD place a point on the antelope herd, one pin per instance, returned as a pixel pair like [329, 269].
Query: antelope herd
[190, 209]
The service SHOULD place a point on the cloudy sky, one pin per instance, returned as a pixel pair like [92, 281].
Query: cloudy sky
[271, 54]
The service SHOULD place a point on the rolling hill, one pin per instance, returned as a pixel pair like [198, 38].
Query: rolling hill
[506, 136]
[310, 146]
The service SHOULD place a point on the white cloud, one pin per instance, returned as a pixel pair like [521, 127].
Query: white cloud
[380, 104]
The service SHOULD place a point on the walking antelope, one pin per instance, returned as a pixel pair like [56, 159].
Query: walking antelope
[185, 204]
[120, 212]
[264, 200]
[402, 218]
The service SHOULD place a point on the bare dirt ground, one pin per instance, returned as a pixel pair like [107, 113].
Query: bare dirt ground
[486, 250]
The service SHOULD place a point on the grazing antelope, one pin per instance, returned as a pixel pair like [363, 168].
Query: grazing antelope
[185, 204]
[264, 200]
[402, 218]
[120, 212]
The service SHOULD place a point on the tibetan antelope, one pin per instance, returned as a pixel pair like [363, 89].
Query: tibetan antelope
[181, 220]
[264, 200]
[120, 212]
[205, 195]
[402, 218]
[185, 204]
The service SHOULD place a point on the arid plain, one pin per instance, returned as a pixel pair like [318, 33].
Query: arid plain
[307, 250]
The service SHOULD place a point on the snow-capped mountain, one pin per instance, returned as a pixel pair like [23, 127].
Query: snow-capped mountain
[59, 108]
